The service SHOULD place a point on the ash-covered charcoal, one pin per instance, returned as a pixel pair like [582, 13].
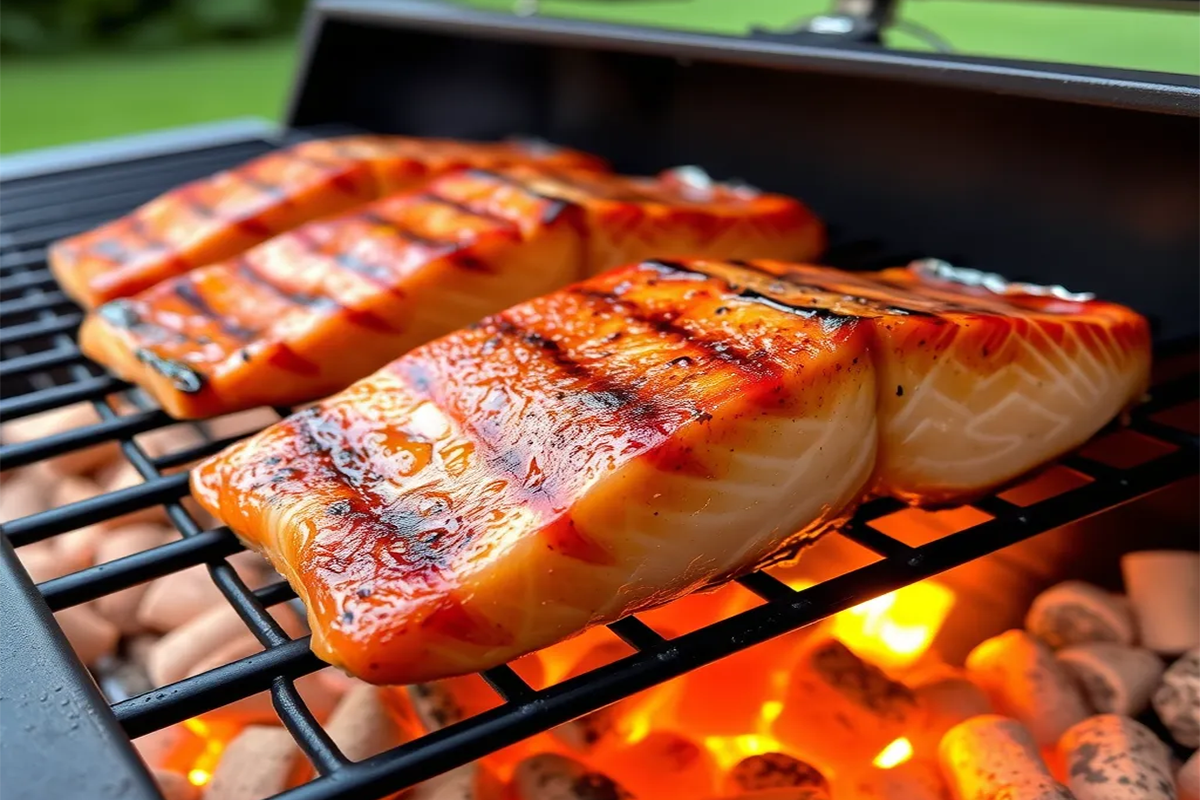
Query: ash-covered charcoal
[1023, 681]
[255, 764]
[1074, 612]
[1177, 699]
[945, 701]
[469, 782]
[361, 725]
[549, 776]
[772, 771]
[912, 780]
[663, 763]
[1115, 679]
[1111, 757]
[995, 757]
[436, 705]
[840, 709]
[1163, 586]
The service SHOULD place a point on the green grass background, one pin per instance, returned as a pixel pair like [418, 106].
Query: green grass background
[56, 100]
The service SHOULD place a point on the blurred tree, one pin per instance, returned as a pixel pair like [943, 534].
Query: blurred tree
[42, 26]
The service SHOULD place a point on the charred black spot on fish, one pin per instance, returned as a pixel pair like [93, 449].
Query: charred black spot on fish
[339, 508]
[110, 248]
[245, 355]
[364, 592]
[120, 314]
[182, 376]
[720, 310]
[899, 391]
[607, 399]
[347, 617]
[682, 361]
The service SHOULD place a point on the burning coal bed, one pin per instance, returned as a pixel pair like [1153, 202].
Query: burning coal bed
[1094, 699]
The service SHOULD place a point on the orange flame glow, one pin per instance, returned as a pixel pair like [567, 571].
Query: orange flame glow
[895, 754]
[202, 769]
[893, 631]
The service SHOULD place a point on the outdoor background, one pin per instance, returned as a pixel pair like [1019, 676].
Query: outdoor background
[73, 70]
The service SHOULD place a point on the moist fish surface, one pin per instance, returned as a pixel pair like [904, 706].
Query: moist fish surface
[608, 447]
[312, 310]
[218, 217]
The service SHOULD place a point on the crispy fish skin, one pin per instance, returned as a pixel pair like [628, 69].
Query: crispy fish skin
[310, 311]
[218, 217]
[611, 446]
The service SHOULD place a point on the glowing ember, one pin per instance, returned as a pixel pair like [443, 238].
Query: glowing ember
[894, 630]
[199, 777]
[729, 750]
[895, 754]
[214, 744]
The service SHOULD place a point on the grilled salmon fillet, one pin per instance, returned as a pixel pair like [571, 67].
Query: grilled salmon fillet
[613, 445]
[218, 217]
[313, 310]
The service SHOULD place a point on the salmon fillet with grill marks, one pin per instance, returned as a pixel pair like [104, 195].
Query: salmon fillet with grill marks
[313, 310]
[218, 217]
[611, 446]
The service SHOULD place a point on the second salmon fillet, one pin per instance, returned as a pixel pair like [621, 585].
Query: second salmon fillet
[611, 446]
[313, 310]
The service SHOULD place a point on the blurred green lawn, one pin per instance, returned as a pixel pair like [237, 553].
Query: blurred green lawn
[49, 101]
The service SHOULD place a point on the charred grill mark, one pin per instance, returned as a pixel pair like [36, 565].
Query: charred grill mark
[406, 534]
[668, 268]
[408, 234]
[198, 208]
[246, 176]
[247, 270]
[556, 206]
[811, 284]
[463, 208]
[185, 290]
[665, 323]
[115, 248]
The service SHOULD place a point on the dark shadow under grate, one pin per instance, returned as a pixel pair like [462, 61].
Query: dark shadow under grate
[41, 368]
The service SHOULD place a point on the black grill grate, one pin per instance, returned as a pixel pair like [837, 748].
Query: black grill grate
[41, 368]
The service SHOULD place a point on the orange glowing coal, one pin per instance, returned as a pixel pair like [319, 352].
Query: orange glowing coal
[214, 739]
[895, 754]
[894, 630]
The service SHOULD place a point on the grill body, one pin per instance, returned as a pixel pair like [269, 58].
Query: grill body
[1084, 178]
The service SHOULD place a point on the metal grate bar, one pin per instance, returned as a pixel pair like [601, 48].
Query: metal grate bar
[158, 172]
[767, 587]
[507, 683]
[38, 362]
[193, 696]
[636, 633]
[45, 524]
[19, 334]
[11, 261]
[29, 280]
[119, 427]
[876, 541]
[58, 396]
[300, 722]
[197, 452]
[113, 576]
[24, 305]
